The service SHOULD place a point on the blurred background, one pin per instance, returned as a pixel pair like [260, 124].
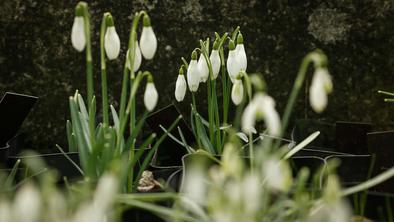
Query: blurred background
[36, 56]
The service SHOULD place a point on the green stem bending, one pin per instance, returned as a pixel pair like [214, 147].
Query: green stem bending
[104, 90]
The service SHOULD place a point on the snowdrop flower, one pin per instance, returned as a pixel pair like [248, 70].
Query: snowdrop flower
[150, 96]
[193, 77]
[215, 61]
[137, 58]
[106, 191]
[78, 38]
[203, 68]
[320, 87]
[111, 40]
[277, 174]
[237, 92]
[27, 204]
[261, 107]
[148, 40]
[180, 86]
[241, 54]
[5, 211]
[332, 202]
[233, 68]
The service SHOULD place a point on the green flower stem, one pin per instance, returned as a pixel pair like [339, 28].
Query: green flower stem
[217, 118]
[225, 88]
[89, 68]
[294, 92]
[385, 93]
[369, 183]
[194, 107]
[104, 90]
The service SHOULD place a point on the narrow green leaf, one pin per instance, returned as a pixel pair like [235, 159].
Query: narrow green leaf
[301, 145]
[115, 118]
[11, 177]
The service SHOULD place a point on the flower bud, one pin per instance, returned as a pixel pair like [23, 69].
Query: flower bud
[321, 86]
[180, 86]
[148, 40]
[150, 96]
[233, 68]
[111, 40]
[241, 54]
[137, 58]
[27, 204]
[237, 92]
[203, 68]
[193, 77]
[215, 62]
[78, 38]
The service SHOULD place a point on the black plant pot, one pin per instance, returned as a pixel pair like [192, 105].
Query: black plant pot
[351, 137]
[57, 161]
[381, 145]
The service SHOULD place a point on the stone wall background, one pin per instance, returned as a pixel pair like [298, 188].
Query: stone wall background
[36, 56]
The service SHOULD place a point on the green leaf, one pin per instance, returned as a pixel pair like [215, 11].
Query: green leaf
[82, 107]
[11, 177]
[71, 137]
[115, 118]
[301, 145]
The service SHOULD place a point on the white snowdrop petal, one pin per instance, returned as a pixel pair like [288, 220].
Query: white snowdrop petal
[137, 58]
[193, 77]
[27, 204]
[249, 118]
[203, 69]
[78, 38]
[241, 57]
[150, 96]
[148, 42]
[321, 86]
[216, 63]
[111, 43]
[237, 92]
[180, 88]
[233, 67]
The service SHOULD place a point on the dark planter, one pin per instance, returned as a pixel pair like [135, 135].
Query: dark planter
[381, 144]
[305, 127]
[56, 161]
[351, 137]
[170, 152]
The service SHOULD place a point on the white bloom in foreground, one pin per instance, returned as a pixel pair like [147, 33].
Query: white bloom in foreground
[215, 62]
[150, 96]
[241, 54]
[321, 86]
[27, 204]
[237, 92]
[193, 184]
[233, 67]
[193, 77]
[5, 211]
[277, 174]
[332, 208]
[251, 193]
[148, 42]
[261, 107]
[137, 58]
[106, 191]
[203, 68]
[180, 88]
[78, 38]
[111, 43]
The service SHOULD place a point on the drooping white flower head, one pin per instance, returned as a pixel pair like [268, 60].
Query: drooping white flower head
[5, 211]
[111, 40]
[150, 96]
[137, 58]
[237, 92]
[241, 54]
[233, 68]
[215, 61]
[277, 174]
[320, 87]
[193, 73]
[261, 107]
[27, 204]
[78, 38]
[106, 191]
[180, 86]
[148, 40]
[203, 68]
